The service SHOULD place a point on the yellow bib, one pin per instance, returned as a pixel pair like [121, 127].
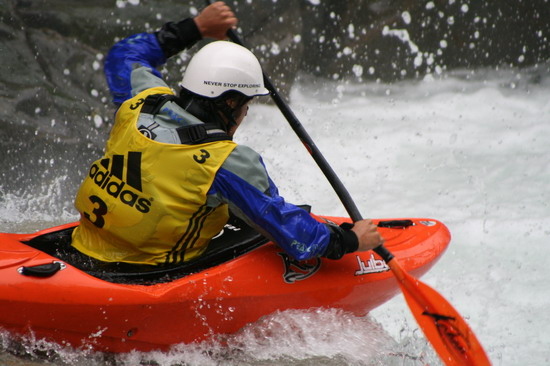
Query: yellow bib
[145, 201]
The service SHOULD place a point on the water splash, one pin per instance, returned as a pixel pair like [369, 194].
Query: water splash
[31, 209]
[315, 337]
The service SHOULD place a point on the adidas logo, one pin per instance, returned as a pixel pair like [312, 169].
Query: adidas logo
[109, 176]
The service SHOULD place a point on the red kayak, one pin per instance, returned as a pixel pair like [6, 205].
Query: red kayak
[46, 292]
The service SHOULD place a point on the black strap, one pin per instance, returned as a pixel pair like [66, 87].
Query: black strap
[154, 102]
[189, 135]
[200, 134]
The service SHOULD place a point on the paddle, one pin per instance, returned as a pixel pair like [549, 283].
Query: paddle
[442, 325]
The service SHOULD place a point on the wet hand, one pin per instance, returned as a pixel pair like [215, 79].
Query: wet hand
[367, 234]
[215, 20]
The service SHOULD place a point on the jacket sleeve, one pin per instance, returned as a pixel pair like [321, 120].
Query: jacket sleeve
[255, 199]
[149, 50]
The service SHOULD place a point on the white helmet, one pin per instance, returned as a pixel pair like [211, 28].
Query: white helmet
[222, 66]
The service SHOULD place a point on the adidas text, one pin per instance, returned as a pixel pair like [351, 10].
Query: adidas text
[116, 188]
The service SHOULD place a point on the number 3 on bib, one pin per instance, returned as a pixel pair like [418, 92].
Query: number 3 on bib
[100, 209]
[202, 159]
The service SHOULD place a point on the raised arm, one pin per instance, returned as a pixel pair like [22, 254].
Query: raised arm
[151, 50]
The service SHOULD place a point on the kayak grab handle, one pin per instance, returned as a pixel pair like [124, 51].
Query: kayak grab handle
[42, 270]
[396, 224]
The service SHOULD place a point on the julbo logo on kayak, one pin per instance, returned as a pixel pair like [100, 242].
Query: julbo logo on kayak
[109, 176]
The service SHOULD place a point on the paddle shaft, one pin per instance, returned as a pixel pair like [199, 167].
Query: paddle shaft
[314, 151]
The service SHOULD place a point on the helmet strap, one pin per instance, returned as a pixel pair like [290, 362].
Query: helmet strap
[228, 112]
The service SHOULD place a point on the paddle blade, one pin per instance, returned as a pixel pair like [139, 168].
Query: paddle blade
[450, 335]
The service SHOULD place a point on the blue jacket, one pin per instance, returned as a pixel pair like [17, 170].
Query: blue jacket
[242, 182]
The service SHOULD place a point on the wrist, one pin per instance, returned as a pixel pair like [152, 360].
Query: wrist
[342, 241]
[350, 238]
[199, 25]
[175, 37]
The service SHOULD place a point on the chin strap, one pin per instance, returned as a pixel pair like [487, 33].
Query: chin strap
[228, 113]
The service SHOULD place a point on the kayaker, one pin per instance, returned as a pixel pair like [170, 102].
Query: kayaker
[171, 172]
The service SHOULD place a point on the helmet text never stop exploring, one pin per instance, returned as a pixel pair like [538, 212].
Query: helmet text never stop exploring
[222, 66]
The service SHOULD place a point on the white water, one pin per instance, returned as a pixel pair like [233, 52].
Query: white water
[470, 150]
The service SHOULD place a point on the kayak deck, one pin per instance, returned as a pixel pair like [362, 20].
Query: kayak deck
[236, 239]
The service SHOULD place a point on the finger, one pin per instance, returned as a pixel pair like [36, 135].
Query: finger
[227, 14]
[231, 21]
[222, 8]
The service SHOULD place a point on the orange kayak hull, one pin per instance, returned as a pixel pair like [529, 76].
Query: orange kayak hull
[76, 309]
